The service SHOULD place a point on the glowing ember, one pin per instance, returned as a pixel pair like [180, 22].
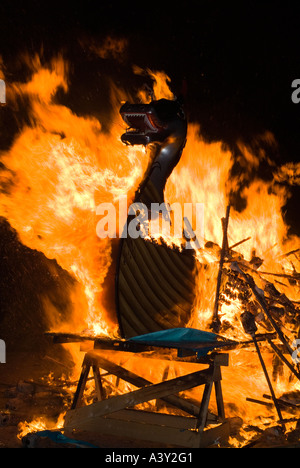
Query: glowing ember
[38, 424]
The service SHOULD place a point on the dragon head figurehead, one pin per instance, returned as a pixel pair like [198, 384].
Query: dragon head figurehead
[153, 122]
[146, 297]
[160, 122]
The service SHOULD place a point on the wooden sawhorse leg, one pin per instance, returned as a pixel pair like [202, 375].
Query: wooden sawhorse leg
[117, 415]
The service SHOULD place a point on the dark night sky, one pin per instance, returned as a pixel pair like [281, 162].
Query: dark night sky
[237, 60]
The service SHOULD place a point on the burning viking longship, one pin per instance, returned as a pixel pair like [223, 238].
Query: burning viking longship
[154, 282]
[157, 285]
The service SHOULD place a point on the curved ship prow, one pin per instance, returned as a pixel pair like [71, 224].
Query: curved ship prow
[154, 282]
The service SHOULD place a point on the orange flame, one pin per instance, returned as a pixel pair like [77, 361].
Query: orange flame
[64, 165]
[61, 166]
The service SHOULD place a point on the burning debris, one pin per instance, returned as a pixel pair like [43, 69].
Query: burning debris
[31, 406]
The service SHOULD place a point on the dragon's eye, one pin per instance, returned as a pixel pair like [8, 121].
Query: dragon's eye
[154, 121]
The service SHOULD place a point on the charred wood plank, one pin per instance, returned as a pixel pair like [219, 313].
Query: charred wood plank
[216, 320]
[183, 404]
[128, 400]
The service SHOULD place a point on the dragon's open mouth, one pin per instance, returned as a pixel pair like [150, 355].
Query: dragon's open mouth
[141, 123]
[144, 124]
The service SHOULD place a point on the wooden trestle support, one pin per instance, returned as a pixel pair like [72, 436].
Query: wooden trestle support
[115, 415]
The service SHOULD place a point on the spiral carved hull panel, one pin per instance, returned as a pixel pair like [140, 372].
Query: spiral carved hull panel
[155, 283]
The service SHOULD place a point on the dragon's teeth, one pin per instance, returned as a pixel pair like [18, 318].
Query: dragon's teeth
[135, 115]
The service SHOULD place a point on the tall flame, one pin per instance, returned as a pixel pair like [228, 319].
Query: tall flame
[61, 166]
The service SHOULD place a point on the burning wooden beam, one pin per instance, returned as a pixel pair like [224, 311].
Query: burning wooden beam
[134, 347]
[216, 321]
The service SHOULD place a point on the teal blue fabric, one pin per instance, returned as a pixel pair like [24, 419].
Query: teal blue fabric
[182, 338]
[58, 437]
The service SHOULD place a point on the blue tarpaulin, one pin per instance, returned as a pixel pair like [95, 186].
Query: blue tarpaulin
[180, 338]
[56, 436]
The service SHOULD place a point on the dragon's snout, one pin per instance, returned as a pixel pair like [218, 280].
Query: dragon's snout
[148, 123]
[143, 123]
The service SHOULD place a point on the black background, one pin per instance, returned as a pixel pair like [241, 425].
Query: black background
[237, 60]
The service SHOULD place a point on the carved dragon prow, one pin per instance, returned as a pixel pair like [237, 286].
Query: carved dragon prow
[154, 283]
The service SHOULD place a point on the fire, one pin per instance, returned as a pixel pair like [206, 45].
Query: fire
[61, 166]
[39, 424]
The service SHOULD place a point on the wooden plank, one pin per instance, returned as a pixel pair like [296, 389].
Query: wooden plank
[204, 406]
[98, 383]
[136, 430]
[216, 320]
[132, 347]
[215, 435]
[116, 403]
[219, 395]
[220, 359]
[138, 381]
[149, 417]
[150, 432]
[117, 370]
[81, 384]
